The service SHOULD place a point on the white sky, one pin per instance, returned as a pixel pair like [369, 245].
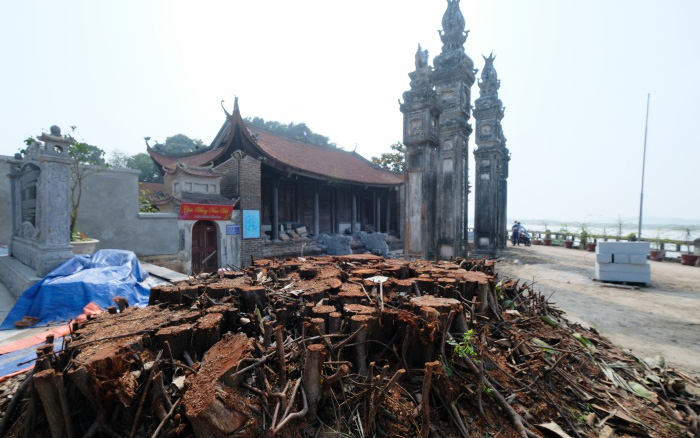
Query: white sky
[575, 76]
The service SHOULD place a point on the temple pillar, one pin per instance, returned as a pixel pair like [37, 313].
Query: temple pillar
[374, 209]
[353, 222]
[316, 213]
[379, 212]
[298, 204]
[388, 211]
[275, 211]
[334, 211]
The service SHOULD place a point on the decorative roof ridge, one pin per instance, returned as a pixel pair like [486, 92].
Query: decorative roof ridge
[151, 150]
[257, 129]
[192, 170]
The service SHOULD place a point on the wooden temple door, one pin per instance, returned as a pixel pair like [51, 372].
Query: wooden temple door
[204, 247]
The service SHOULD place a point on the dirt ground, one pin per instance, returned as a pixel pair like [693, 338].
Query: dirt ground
[662, 319]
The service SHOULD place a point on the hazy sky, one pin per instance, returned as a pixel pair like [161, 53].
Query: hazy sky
[574, 80]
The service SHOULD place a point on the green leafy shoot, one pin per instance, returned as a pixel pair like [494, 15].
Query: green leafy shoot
[465, 347]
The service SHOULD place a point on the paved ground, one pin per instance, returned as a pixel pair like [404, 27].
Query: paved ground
[663, 318]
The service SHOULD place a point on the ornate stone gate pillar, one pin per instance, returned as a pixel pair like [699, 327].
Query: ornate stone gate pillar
[40, 182]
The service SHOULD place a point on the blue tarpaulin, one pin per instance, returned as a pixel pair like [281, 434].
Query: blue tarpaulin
[64, 292]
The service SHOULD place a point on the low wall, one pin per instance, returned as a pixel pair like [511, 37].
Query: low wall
[109, 211]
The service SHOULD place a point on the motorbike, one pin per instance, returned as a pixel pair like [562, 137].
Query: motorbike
[525, 237]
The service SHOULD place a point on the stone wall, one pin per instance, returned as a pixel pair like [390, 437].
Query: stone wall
[5, 202]
[109, 212]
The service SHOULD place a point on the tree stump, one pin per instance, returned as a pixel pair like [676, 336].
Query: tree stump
[207, 333]
[178, 337]
[252, 297]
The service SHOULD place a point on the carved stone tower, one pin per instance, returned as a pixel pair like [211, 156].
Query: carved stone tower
[492, 157]
[420, 136]
[436, 134]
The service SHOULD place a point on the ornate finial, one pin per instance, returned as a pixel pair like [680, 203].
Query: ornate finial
[228, 116]
[453, 35]
[235, 104]
[489, 72]
[55, 131]
[147, 138]
[489, 83]
[421, 58]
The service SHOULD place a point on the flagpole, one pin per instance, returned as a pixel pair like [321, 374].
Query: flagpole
[644, 160]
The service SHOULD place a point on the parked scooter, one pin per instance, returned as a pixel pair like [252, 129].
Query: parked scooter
[525, 237]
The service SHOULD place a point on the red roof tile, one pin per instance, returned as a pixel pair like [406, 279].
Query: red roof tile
[332, 163]
[201, 159]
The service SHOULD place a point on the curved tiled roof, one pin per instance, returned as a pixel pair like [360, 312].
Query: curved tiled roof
[201, 159]
[193, 170]
[332, 163]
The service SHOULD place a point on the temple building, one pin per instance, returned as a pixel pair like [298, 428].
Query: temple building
[284, 189]
[491, 157]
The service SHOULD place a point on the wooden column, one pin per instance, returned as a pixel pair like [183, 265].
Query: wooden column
[374, 211]
[353, 222]
[388, 210]
[275, 211]
[334, 211]
[379, 212]
[298, 207]
[316, 214]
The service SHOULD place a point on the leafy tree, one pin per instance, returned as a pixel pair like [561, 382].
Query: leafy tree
[144, 163]
[293, 131]
[118, 159]
[85, 158]
[141, 161]
[145, 205]
[393, 161]
[179, 144]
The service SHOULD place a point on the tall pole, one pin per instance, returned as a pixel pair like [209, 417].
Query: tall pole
[644, 161]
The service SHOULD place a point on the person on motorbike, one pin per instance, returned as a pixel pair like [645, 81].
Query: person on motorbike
[515, 230]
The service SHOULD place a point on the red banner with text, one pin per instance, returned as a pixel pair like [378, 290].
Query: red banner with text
[205, 211]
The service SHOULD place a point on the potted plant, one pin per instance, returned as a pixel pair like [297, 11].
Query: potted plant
[568, 243]
[82, 244]
[547, 235]
[657, 255]
[688, 258]
[583, 235]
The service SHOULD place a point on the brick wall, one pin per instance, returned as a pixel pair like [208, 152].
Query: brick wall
[250, 194]
[168, 183]
[229, 182]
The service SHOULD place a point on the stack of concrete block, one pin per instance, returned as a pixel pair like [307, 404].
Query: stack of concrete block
[622, 261]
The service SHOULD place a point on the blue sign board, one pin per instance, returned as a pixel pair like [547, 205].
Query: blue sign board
[233, 230]
[251, 224]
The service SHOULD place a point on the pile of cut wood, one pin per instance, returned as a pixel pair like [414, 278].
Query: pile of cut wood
[345, 346]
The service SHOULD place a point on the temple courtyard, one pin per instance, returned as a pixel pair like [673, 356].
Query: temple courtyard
[661, 319]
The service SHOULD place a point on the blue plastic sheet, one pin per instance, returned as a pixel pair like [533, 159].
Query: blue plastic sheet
[21, 359]
[64, 292]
